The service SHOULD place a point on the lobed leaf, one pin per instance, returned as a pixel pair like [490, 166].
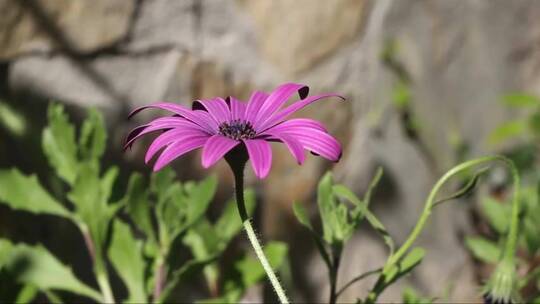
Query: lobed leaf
[36, 266]
[126, 256]
[25, 193]
[58, 143]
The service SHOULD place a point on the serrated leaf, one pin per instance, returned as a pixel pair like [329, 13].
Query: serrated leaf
[21, 192]
[506, 131]
[497, 213]
[137, 204]
[519, 100]
[125, 254]
[483, 249]
[89, 195]
[36, 266]
[93, 136]
[58, 143]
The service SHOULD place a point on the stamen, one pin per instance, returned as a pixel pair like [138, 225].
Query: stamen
[237, 129]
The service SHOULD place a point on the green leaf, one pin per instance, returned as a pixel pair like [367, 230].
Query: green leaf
[409, 262]
[21, 192]
[361, 211]
[497, 213]
[229, 223]
[410, 296]
[200, 197]
[125, 254]
[334, 215]
[247, 271]
[137, 203]
[301, 215]
[374, 182]
[252, 270]
[12, 120]
[506, 131]
[27, 294]
[36, 266]
[519, 100]
[93, 136]
[58, 142]
[89, 195]
[183, 274]
[534, 123]
[469, 186]
[483, 249]
[401, 95]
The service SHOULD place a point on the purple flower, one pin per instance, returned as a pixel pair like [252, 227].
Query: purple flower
[218, 125]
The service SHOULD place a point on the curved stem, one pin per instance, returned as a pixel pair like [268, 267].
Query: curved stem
[511, 244]
[358, 278]
[238, 171]
[431, 199]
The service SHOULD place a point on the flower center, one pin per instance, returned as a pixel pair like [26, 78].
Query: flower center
[237, 129]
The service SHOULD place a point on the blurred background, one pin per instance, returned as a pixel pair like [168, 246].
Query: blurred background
[424, 81]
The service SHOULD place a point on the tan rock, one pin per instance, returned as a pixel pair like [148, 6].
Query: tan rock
[288, 40]
[80, 26]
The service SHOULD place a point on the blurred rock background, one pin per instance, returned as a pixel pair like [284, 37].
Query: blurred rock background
[448, 61]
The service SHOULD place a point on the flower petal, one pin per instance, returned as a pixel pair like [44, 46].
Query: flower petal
[294, 145]
[216, 107]
[194, 116]
[254, 104]
[215, 148]
[277, 98]
[281, 115]
[297, 123]
[159, 124]
[238, 108]
[317, 141]
[260, 155]
[178, 149]
[170, 137]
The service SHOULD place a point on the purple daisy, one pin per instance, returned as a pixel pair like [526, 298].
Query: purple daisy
[219, 125]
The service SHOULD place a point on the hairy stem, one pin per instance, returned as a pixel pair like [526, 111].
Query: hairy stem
[238, 171]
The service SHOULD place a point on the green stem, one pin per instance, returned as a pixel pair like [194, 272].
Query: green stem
[511, 244]
[99, 269]
[105, 287]
[336, 258]
[238, 170]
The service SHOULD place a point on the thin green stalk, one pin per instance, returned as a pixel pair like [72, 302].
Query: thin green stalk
[99, 269]
[511, 244]
[336, 259]
[237, 166]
